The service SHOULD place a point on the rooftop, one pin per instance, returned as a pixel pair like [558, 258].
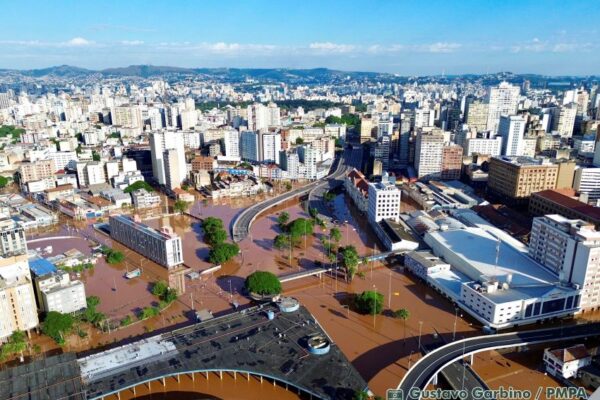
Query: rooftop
[562, 199]
[41, 267]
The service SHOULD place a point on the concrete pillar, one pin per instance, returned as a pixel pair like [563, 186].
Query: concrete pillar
[206, 375]
[163, 381]
[193, 377]
[261, 379]
[471, 360]
[119, 395]
[435, 379]
[221, 374]
[133, 390]
[248, 376]
[234, 376]
[177, 377]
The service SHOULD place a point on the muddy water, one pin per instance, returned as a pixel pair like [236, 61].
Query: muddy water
[212, 387]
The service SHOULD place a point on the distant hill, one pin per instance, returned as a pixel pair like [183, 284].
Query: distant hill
[294, 76]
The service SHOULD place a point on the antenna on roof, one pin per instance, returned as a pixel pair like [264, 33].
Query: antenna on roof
[497, 256]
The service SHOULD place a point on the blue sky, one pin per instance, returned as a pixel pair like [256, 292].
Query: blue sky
[405, 37]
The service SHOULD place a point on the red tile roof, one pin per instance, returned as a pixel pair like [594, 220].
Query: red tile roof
[557, 196]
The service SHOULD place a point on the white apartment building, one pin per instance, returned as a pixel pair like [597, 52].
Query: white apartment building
[492, 147]
[429, 150]
[64, 159]
[12, 238]
[57, 292]
[587, 183]
[571, 249]
[384, 201]
[231, 143]
[90, 173]
[174, 176]
[18, 309]
[161, 141]
[563, 119]
[502, 100]
[512, 130]
[271, 146]
[424, 118]
[144, 199]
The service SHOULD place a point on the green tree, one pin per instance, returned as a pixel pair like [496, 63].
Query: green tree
[335, 234]
[404, 315]
[181, 206]
[127, 320]
[283, 219]
[369, 302]
[288, 186]
[299, 141]
[214, 233]
[313, 212]
[95, 156]
[3, 182]
[114, 257]
[148, 312]
[160, 288]
[16, 344]
[282, 241]
[263, 283]
[56, 325]
[223, 252]
[349, 260]
[329, 196]
[300, 227]
[91, 314]
[138, 185]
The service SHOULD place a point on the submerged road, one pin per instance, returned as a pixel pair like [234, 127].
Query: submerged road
[422, 373]
[240, 226]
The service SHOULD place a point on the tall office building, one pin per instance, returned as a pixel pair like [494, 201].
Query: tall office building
[512, 130]
[159, 142]
[249, 146]
[451, 162]
[571, 249]
[429, 150]
[502, 100]
[404, 139]
[309, 157]
[587, 184]
[18, 310]
[127, 116]
[477, 115]
[261, 117]
[382, 151]
[424, 117]
[366, 129]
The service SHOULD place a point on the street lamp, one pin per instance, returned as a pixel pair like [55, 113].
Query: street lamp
[420, 326]
[374, 305]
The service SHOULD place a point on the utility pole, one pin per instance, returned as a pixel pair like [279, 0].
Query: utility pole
[389, 290]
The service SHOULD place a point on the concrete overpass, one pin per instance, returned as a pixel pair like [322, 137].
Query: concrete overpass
[426, 369]
[240, 227]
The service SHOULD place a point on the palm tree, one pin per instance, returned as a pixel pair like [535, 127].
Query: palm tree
[402, 314]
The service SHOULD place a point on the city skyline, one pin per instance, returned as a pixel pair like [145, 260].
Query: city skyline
[393, 37]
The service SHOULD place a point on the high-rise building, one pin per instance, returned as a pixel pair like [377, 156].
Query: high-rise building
[260, 117]
[587, 184]
[309, 157]
[404, 139]
[490, 147]
[383, 201]
[563, 119]
[271, 146]
[90, 173]
[451, 162]
[18, 310]
[502, 100]
[127, 116]
[250, 146]
[571, 249]
[173, 175]
[512, 130]
[429, 150]
[231, 143]
[159, 142]
[366, 129]
[382, 151]
[477, 115]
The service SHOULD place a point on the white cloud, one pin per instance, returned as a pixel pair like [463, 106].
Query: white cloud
[332, 47]
[78, 42]
[441, 47]
[132, 42]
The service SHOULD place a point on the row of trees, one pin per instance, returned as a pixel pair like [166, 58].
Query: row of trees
[215, 236]
[112, 256]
